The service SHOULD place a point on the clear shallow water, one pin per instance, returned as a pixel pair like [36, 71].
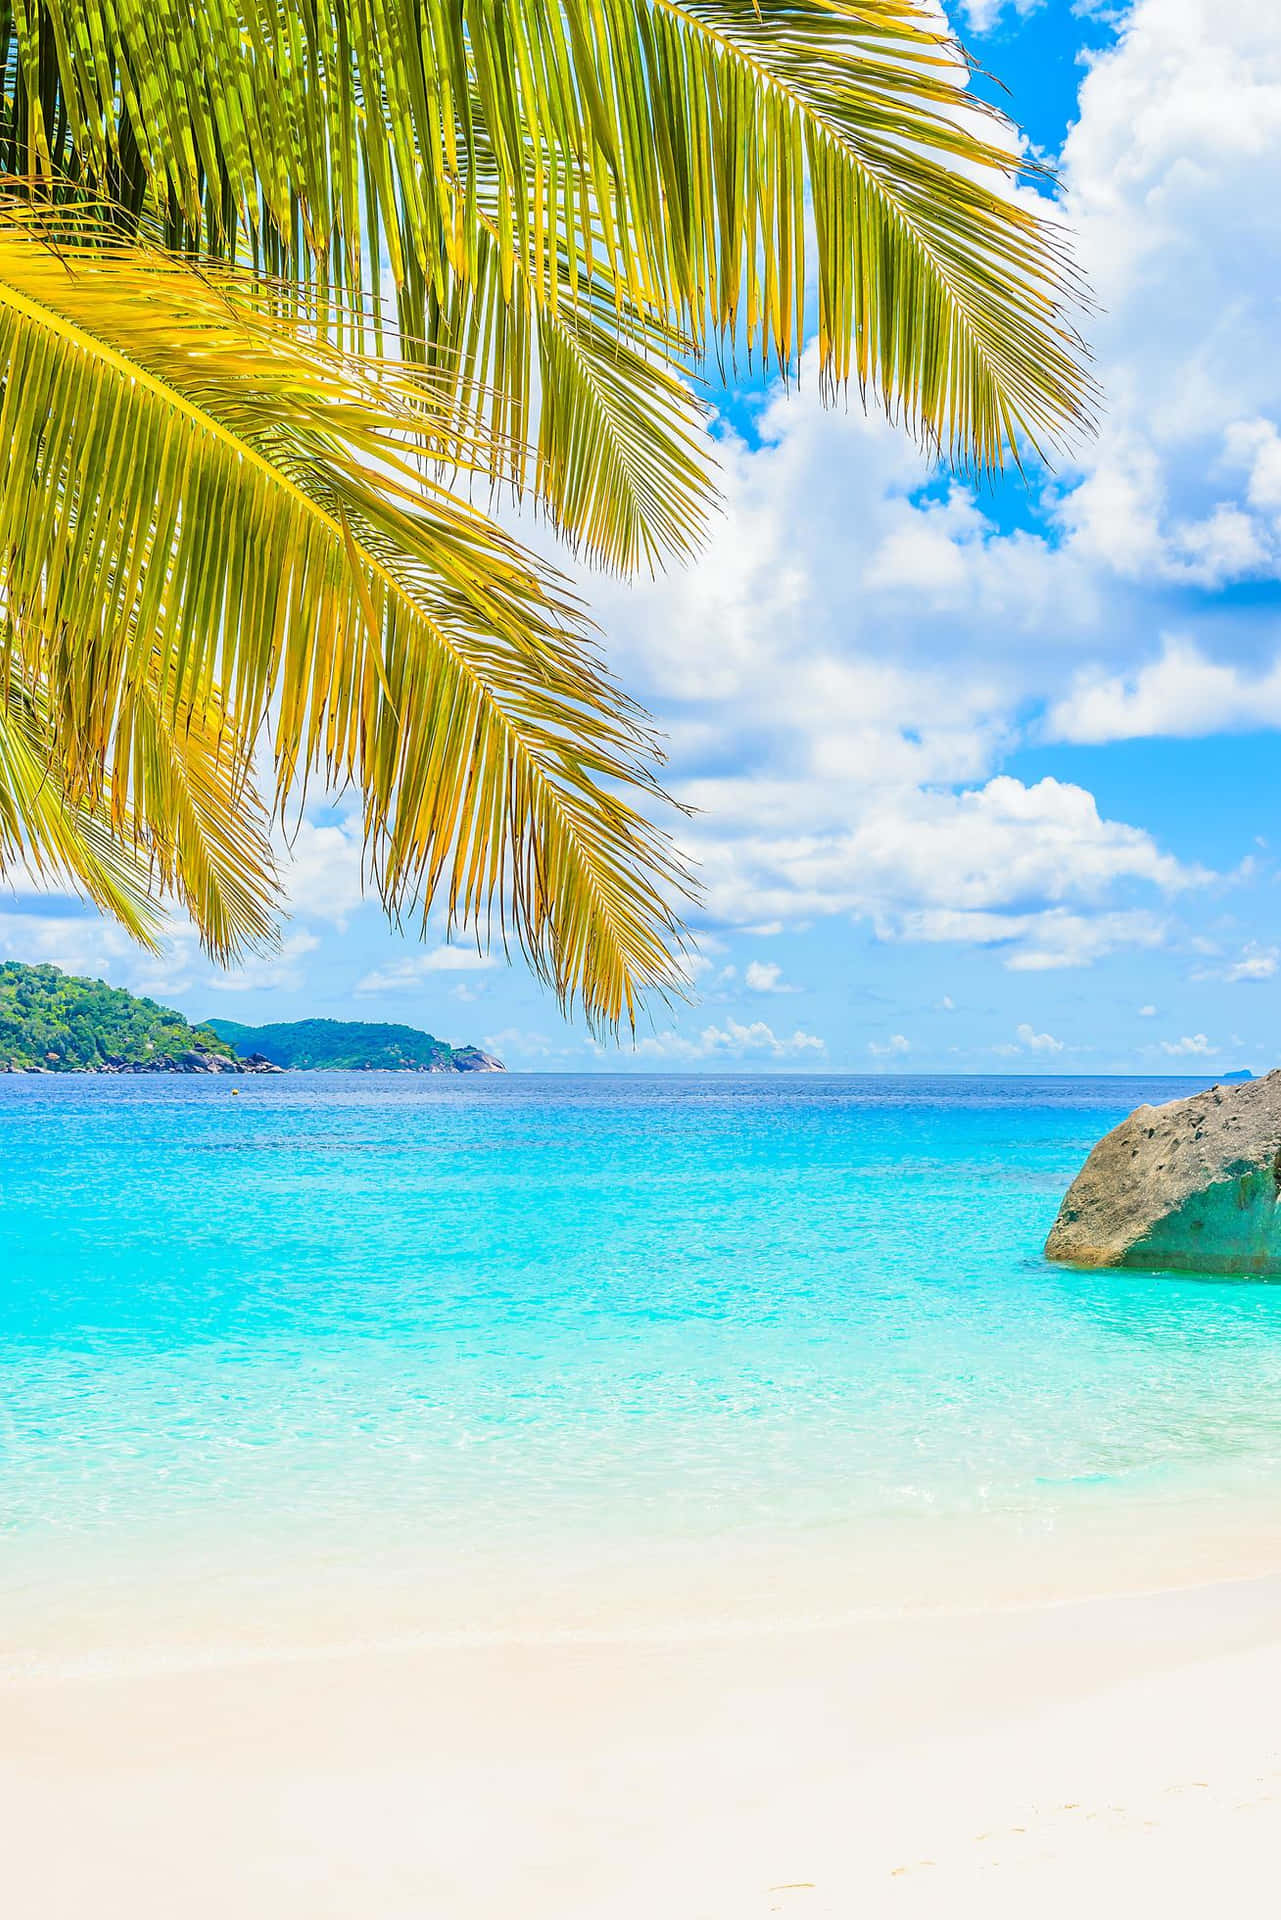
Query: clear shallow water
[605, 1324]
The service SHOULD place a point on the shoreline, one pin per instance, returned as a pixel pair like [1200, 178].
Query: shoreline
[198, 1596]
[156, 1661]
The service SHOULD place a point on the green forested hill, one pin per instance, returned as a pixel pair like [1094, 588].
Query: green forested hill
[54, 1020]
[360, 1044]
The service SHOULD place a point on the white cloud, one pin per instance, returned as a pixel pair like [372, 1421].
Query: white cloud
[1038, 1042]
[402, 975]
[321, 868]
[1058, 939]
[711, 978]
[520, 1043]
[1256, 962]
[766, 976]
[263, 972]
[1147, 1013]
[897, 1043]
[1254, 446]
[1181, 692]
[734, 1040]
[81, 943]
[981, 16]
[1193, 1043]
[1039, 942]
[1172, 172]
[1002, 862]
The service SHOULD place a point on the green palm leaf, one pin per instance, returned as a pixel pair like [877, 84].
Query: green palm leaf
[174, 818]
[578, 403]
[218, 511]
[183, 796]
[196, 475]
[668, 145]
[50, 833]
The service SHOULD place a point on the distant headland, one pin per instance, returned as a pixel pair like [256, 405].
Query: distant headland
[53, 1022]
[362, 1046]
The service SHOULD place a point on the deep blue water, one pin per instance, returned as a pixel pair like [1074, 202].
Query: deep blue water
[534, 1309]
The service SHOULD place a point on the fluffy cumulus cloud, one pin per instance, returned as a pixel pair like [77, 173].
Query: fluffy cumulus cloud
[764, 976]
[1179, 692]
[1173, 170]
[55, 931]
[1028, 867]
[321, 867]
[80, 942]
[1038, 1042]
[1194, 1044]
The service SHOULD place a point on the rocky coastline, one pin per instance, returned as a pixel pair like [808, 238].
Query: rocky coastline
[189, 1060]
[201, 1060]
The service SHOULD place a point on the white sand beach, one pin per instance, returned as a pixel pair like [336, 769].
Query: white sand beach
[1114, 1756]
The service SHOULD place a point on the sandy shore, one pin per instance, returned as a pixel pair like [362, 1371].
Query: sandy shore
[1118, 1756]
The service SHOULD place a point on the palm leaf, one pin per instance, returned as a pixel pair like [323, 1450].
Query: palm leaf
[174, 818]
[667, 146]
[577, 400]
[50, 833]
[197, 476]
[182, 791]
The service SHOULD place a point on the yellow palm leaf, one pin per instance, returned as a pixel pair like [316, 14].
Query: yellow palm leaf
[670, 146]
[54, 830]
[197, 476]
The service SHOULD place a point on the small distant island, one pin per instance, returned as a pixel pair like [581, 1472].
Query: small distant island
[54, 1022]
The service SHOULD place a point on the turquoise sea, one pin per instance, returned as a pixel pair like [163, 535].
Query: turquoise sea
[521, 1347]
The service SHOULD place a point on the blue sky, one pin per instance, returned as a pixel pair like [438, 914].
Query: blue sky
[985, 782]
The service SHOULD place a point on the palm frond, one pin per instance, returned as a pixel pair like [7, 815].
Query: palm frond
[577, 399]
[181, 787]
[670, 144]
[52, 834]
[173, 820]
[195, 475]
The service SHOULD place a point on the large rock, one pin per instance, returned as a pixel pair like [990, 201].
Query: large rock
[1192, 1186]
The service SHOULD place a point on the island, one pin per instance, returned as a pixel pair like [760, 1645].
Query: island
[54, 1022]
[355, 1046]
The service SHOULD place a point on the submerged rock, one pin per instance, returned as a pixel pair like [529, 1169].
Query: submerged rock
[1193, 1186]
